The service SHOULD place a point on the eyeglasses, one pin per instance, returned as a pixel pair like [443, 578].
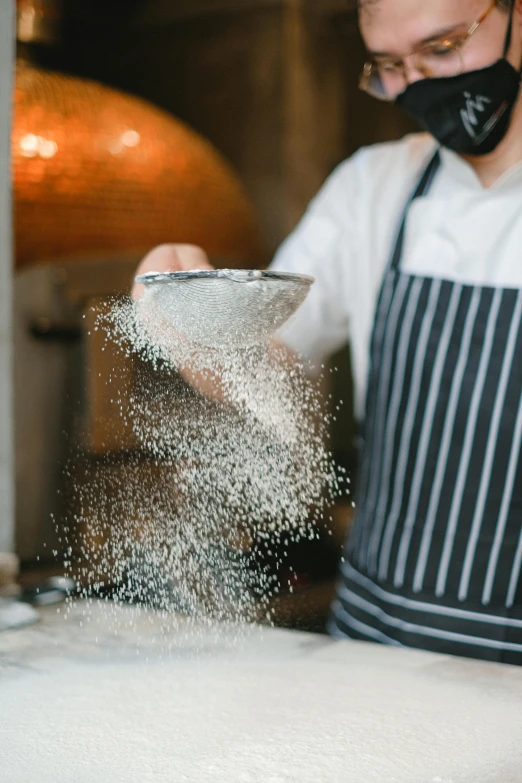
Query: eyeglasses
[385, 79]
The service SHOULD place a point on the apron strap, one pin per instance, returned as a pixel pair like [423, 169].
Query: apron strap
[421, 189]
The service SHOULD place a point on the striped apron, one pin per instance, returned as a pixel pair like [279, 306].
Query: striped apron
[434, 559]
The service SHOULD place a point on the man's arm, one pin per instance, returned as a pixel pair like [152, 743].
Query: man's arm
[324, 245]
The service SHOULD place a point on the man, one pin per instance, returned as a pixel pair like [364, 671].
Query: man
[415, 247]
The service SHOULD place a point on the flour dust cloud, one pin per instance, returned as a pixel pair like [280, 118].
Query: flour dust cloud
[218, 475]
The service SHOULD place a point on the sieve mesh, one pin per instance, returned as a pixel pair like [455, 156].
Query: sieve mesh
[226, 307]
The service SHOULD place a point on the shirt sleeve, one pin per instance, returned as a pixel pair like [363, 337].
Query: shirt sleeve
[323, 245]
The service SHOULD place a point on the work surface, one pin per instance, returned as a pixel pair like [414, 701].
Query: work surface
[113, 697]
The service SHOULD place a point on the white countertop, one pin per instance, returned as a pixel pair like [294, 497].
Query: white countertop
[114, 696]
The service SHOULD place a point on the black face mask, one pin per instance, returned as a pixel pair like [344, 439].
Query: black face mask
[469, 113]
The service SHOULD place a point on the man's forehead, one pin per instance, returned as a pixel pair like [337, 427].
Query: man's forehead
[397, 21]
[376, 8]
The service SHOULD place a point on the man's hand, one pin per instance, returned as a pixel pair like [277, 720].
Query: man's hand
[175, 258]
[171, 258]
[184, 258]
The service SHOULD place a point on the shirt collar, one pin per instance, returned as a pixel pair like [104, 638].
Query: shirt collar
[466, 175]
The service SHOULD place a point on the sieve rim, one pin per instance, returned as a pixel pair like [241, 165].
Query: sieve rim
[233, 275]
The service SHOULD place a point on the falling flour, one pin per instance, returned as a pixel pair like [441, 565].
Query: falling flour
[238, 472]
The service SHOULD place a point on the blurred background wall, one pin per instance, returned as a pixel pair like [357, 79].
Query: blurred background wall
[7, 532]
[273, 84]
[139, 122]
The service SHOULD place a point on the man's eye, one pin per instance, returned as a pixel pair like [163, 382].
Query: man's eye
[442, 49]
[389, 67]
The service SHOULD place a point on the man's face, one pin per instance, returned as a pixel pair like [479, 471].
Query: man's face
[395, 28]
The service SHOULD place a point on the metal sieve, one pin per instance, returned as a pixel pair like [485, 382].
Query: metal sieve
[226, 307]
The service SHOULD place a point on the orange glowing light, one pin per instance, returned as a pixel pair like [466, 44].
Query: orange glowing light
[95, 170]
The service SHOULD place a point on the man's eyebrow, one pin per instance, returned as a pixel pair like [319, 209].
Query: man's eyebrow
[437, 35]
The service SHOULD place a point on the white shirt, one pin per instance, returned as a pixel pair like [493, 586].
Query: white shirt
[460, 231]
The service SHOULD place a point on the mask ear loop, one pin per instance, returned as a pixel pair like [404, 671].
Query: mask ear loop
[507, 42]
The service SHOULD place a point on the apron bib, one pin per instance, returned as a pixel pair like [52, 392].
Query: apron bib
[435, 556]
